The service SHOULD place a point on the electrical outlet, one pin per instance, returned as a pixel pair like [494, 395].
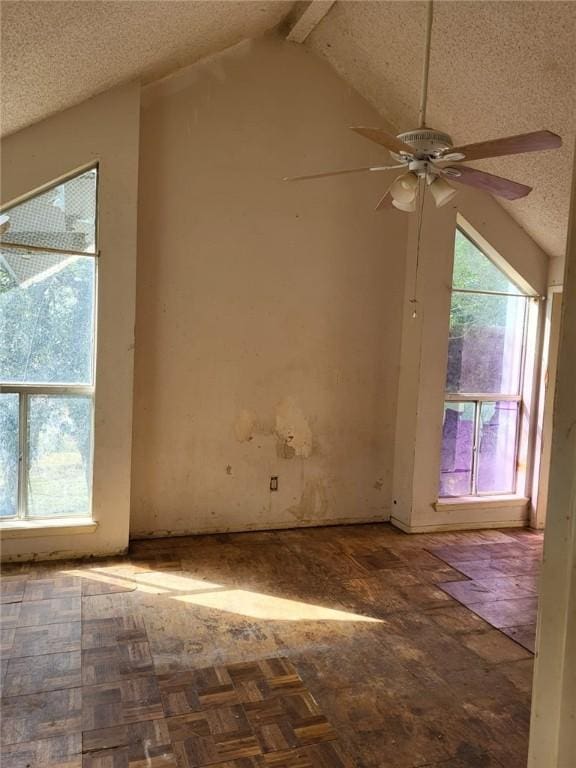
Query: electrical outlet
[273, 483]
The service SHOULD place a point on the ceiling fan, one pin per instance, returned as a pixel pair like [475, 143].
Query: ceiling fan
[431, 161]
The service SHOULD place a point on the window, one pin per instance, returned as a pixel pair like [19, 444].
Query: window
[47, 330]
[482, 409]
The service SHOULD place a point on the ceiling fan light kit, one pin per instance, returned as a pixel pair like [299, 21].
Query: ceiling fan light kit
[425, 153]
[408, 207]
[405, 188]
[441, 191]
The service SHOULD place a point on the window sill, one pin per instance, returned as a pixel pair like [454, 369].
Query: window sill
[14, 529]
[486, 502]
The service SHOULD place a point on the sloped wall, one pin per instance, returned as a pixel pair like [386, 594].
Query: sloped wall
[268, 314]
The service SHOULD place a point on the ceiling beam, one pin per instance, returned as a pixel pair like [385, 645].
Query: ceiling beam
[310, 17]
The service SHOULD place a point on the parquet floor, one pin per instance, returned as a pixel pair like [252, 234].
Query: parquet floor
[344, 647]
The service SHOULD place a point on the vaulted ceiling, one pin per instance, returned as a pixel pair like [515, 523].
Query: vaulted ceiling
[497, 68]
[56, 54]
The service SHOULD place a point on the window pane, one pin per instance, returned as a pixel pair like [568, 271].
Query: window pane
[497, 447]
[9, 454]
[63, 217]
[474, 271]
[485, 347]
[59, 455]
[46, 318]
[457, 449]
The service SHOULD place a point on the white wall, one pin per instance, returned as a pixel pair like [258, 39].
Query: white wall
[269, 314]
[424, 357]
[103, 129]
[552, 733]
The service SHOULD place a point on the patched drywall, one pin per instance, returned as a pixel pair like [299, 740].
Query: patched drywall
[268, 321]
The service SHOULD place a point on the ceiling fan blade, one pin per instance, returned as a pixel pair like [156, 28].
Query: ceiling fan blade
[338, 173]
[385, 202]
[496, 185]
[386, 139]
[509, 145]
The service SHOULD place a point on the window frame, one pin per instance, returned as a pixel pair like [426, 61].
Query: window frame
[478, 398]
[25, 391]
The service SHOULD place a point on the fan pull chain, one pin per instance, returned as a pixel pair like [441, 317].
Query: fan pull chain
[421, 194]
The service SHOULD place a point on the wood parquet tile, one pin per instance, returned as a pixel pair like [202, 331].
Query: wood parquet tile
[508, 613]
[59, 752]
[105, 665]
[312, 648]
[288, 722]
[328, 755]
[489, 589]
[213, 736]
[241, 711]
[6, 642]
[121, 703]
[37, 641]
[9, 614]
[50, 672]
[105, 632]
[51, 589]
[524, 635]
[129, 746]
[39, 612]
[503, 583]
[193, 691]
[38, 716]
[12, 588]
[118, 605]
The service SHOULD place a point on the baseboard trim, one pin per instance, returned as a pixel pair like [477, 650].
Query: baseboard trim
[62, 554]
[265, 526]
[474, 525]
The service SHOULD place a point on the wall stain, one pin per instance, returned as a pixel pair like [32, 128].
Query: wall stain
[245, 426]
[292, 430]
[313, 502]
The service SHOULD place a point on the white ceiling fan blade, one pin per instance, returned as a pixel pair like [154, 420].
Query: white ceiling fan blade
[339, 173]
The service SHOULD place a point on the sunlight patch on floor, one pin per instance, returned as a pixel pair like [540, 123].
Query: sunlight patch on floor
[259, 606]
[208, 594]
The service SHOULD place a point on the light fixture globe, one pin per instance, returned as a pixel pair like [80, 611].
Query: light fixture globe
[442, 192]
[407, 207]
[404, 188]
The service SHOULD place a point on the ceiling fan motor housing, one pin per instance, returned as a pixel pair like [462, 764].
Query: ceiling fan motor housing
[427, 142]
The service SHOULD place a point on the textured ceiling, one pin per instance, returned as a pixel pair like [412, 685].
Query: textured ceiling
[56, 54]
[497, 68]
